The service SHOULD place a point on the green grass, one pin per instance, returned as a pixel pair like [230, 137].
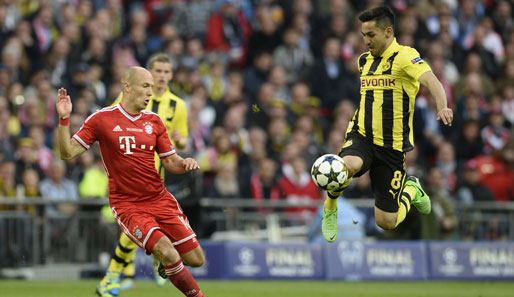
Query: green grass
[9, 288]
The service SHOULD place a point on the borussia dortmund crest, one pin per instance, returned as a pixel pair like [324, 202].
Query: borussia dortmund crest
[386, 66]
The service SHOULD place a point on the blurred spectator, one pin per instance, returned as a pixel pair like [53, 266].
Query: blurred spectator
[8, 125]
[228, 33]
[191, 18]
[360, 188]
[295, 60]
[44, 27]
[30, 182]
[445, 161]
[278, 132]
[472, 190]
[468, 142]
[328, 73]
[94, 182]
[257, 74]
[508, 103]
[484, 36]
[502, 18]
[475, 79]
[442, 21]
[233, 123]
[468, 13]
[225, 183]
[215, 155]
[44, 155]
[264, 181]
[413, 164]
[216, 81]
[194, 57]
[261, 111]
[296, 186]
[495, 136]
[57, 61]
[200, 119]
[442, 221]
[15, 60]
[266, 38]
[278, 78]
[26, 158]
[299, 100]
[496, 173]
[8, 179]
[57, 188]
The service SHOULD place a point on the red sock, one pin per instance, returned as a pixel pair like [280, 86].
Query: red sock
[183, 280]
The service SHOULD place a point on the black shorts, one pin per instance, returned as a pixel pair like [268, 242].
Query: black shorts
[386, 169]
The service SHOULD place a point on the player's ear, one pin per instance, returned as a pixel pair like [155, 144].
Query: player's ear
[389, 32]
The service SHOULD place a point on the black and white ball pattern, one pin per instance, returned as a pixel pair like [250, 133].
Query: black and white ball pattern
[329, 172]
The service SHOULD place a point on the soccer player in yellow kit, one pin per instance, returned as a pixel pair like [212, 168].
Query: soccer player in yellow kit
[380, 132]
[172, 110]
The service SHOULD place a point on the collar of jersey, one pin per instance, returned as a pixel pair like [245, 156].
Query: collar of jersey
[128, 115]
[165, 93]
[393, 47]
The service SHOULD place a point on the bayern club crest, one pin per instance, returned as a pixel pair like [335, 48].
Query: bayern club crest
[148, 128]
[137, 232]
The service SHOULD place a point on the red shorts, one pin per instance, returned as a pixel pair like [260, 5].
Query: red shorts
[146, 222]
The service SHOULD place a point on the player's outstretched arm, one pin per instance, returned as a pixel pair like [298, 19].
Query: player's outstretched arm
[69, 148]
[444, 114]
[177, 164]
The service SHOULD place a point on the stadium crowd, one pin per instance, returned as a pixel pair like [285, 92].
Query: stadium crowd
[269, 85]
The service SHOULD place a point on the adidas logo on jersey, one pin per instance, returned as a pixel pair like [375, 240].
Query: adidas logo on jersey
[117, 128]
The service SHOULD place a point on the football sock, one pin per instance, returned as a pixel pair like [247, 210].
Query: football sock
[404, 203]
[123, 255]
[130, 270]
[183, 280]
[331, 201]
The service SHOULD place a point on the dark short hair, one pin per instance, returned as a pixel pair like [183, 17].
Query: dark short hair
[382, 15]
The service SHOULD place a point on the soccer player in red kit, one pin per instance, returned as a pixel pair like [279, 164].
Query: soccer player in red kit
[128, 136]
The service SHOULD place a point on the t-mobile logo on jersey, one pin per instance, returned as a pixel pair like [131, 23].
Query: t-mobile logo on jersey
[127, 143]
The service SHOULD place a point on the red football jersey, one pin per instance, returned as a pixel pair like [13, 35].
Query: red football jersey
[127, 145]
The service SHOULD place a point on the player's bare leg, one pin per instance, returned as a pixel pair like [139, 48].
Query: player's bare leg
[174, 267]
[329, 221]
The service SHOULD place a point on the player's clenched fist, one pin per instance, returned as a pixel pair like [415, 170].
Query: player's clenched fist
[190, 164]
[63, 103]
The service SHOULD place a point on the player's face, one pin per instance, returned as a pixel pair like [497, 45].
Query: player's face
[161, 72]
[141, 89]
[375, 37]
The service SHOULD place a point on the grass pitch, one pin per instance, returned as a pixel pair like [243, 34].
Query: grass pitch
[226, 288]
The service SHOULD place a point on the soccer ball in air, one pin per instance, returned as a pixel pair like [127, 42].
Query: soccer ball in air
[329, 172]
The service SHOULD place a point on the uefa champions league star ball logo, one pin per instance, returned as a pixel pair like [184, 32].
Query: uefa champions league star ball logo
[246, 256]
[148, 127]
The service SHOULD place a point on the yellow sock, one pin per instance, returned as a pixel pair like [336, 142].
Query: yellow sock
[130, 269]
[331, 203]
[124, 254]
[404, 203]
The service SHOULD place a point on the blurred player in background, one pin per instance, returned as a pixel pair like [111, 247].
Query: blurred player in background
[381, 130]
[129, 136]
[173, 112]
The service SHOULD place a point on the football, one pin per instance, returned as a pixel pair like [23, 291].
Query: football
[329, 172]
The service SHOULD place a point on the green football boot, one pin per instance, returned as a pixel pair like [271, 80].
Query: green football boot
[329, 225]
[421, 201]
